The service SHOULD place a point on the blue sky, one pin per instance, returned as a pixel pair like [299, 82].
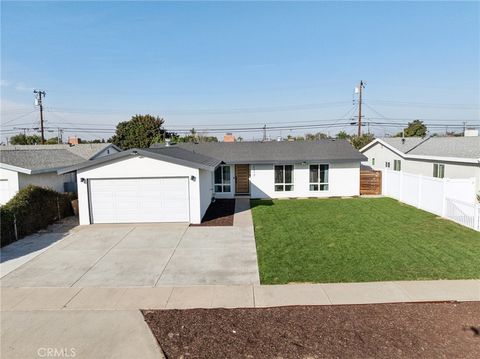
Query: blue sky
[222, 64]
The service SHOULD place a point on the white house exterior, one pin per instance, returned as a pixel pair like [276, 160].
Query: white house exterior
[177, 183]
[441, 157]
[21, 166]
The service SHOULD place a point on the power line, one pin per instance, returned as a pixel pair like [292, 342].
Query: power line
[18, 118]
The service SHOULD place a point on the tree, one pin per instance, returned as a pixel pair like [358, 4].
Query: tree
[141, 131]
[361, 141]
[22, 139]
[52, 141]
[316, 136]
[342, 135]
[415, 128]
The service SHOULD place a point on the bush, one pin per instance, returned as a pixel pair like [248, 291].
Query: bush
[34, 208]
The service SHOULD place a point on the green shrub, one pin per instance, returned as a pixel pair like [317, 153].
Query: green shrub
[34, 208]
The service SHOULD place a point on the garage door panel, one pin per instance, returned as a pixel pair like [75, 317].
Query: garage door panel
[139, 200]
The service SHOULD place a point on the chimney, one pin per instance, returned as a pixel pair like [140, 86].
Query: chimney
[228, 137]
[73, 140]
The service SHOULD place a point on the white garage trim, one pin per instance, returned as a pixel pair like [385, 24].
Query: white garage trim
[139, 199]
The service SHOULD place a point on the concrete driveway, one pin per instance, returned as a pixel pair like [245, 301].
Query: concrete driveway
[143, 255]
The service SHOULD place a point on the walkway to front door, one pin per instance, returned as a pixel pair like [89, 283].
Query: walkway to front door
[242, 179]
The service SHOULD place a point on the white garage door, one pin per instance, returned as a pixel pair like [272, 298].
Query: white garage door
[139, 200]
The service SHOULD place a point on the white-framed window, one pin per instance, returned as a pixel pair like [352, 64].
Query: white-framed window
[222, 179]
[283, 178]
[387, 164]
[438, 170]
[397, 165]
[318, 177]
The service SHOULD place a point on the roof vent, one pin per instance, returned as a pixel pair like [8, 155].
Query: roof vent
[167, 142]
[279, 139]
[403, 141]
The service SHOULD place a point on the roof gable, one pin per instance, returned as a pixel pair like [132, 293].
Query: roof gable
[177, 156]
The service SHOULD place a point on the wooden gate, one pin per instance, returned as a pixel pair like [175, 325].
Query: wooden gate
[370, 182]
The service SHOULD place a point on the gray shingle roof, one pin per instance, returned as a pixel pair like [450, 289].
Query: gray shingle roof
[39, 160]
[48, 157]
[84, 150]
[173, 155]
[275, 152]
[186, 155]
[459, 147]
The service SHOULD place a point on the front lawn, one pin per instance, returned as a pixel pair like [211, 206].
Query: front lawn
[359, 240]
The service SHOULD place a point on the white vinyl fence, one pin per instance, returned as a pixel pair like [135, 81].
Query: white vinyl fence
[454, 199]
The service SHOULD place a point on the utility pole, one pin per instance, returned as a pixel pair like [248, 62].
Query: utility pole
[360, 88]
[60, 135]
[38, 97]
[264, 132]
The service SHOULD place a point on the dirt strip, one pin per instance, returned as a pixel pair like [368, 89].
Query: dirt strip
[404, 330]
[219, 213]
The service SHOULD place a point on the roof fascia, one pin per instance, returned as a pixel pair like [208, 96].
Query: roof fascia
[15, 168]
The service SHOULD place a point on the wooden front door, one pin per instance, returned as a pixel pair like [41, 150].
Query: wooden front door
[242, 178]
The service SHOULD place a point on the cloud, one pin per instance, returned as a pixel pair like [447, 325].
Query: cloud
[20, 86]
[4, 83]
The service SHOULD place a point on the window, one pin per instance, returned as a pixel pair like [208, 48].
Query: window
[222, 179]
[283, 178]
[438, 170]
[387, 164]
[397, 165]
[373, 161]
[318, 177]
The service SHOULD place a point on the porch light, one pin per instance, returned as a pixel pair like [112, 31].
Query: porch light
[193, 178]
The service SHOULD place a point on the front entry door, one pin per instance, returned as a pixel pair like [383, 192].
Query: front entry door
[242, 178]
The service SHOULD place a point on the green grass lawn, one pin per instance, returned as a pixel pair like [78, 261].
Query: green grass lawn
[358, 240]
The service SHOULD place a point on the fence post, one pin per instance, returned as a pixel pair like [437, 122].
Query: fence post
[444, 197]
[58, 209]
[400, 173]
[476, 217]
[15, 226]
[420, 180]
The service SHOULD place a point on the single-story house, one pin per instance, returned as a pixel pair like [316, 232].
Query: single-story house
[443, 157]
[22, 165]
[176, 183]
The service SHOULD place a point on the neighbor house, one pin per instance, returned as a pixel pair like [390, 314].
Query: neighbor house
[38, 164]
[176, 183]
[443, 157]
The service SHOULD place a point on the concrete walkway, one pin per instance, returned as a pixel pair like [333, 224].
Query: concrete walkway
[26, 299]
[77, 334]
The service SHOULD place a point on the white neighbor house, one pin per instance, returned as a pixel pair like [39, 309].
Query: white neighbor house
[442, 157]
[176, 183]
[23, 165]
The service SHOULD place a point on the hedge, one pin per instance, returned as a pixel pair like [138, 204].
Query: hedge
[34, 208]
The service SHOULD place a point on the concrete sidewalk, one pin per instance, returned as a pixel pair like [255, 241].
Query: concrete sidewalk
[25, 299]
[77, 334]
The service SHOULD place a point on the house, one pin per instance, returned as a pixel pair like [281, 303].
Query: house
[176, 183]
[449, 157]
[38, 164]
